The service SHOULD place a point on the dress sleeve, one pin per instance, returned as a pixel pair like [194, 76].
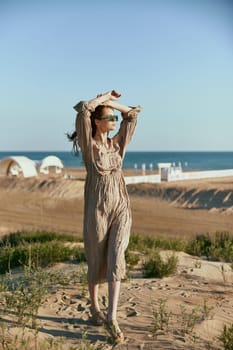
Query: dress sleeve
[127, 127]
[83, 127]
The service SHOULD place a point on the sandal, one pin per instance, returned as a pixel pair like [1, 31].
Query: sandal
[97, 318]
[115, 331]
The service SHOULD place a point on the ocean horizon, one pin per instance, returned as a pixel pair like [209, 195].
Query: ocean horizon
[188, 160]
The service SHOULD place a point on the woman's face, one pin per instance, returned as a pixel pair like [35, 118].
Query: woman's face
[104, 124]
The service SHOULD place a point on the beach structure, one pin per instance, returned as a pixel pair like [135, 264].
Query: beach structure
[164, 169]
[171, 172]
[142, 179]
[51, 163]
[143, 169]
[18, 166]
[195, 175]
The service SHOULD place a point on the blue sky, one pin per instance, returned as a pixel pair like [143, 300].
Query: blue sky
[174, 58]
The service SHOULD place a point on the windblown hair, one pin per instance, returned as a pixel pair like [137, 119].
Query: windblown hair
[73, 137]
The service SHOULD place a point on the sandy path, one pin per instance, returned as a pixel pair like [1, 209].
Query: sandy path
[198, 289]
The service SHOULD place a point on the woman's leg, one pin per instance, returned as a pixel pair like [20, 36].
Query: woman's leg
[97, 316]
[112, 324]
[94, 290]
[113, 297]
[117, 244]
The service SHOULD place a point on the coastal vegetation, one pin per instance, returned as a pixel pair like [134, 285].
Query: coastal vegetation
[43, 248]
[226, 337]
[218, 247]
[47, 248]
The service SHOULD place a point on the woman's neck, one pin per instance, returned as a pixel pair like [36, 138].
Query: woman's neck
[101, 137]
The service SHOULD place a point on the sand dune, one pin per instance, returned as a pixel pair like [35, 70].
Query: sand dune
[199, 195]
[172, 208]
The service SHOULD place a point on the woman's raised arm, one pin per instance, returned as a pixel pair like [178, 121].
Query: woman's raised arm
[121, 108]
[100, 99]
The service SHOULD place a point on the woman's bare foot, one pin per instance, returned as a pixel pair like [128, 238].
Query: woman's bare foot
[97, 317]
[115, 331]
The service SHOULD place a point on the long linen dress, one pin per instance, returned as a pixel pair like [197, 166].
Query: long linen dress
[107, 214]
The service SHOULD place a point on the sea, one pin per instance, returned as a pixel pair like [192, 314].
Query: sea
[200, 160]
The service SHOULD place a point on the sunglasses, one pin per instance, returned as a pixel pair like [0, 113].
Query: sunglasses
[109, 118]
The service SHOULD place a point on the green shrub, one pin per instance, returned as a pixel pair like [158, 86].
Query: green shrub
[189, 319]
[20, 237]
[176, 244]
[199, 246]
[143, 243]
[226, 337]
[131, 258]
[136, 242]
[44, 248]
[79, 254]
[222, 248]
[24, 295]
[42, 254]
[218, 247]
[161, 317]
[154, 266]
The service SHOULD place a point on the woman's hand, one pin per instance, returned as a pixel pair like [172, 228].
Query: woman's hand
[111, 95]
[114, 95]
[105, 99]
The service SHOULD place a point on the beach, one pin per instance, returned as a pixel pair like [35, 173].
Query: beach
[175, 209]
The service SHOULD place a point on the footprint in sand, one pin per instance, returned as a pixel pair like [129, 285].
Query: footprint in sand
[131, 312]
[81, 308]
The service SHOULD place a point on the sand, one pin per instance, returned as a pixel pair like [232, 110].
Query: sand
[199, 291]
[171, 209]
[180, 209]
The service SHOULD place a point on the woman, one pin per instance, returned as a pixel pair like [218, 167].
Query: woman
[107, 215]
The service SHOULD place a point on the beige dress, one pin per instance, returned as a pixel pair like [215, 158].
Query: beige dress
[107, 214]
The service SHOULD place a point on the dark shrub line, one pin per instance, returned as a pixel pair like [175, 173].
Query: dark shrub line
[20, 237]
[46, 248]
[41, 247]
[217, 247]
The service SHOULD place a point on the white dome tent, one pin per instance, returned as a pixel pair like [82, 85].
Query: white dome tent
[17, 165]
[51, 161]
